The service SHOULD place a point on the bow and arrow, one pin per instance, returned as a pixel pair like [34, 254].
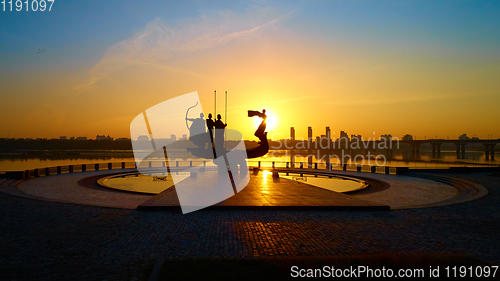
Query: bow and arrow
[187, 112]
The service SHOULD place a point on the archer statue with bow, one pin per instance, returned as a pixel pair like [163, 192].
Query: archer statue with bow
[215, 136]
[197, 130]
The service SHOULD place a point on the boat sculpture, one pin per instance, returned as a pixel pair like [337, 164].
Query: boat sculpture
[209, 144]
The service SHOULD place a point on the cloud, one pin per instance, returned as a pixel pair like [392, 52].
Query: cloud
[160, 41]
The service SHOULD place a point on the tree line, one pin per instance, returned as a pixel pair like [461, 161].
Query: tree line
[9, 145]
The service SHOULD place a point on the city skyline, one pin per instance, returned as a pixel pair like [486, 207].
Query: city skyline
[342, 134]
[398, 67]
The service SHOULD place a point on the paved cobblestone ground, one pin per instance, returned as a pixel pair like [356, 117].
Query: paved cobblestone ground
[55, 241]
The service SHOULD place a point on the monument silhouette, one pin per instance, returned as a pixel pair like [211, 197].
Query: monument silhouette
[216, 132]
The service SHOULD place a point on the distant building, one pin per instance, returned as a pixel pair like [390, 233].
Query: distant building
[356, 138]
[343, 140]
[143, 138]
[63, 138]
[324, 142]
[81, 138]
[103, 137]
[386, 137]
[463, 137]
[184, 137]
[173, 137]
[344, 135]
[407, 137]
[292, 133]
[163, 140]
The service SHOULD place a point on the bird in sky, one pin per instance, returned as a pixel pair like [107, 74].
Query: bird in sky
[40, 51]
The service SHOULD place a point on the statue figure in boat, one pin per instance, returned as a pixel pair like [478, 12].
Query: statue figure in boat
[210, 126]
[220, 127]
[197, 131]
[261, 131]
[215, 136]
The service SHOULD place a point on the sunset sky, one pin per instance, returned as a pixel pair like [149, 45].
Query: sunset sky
[427, 68]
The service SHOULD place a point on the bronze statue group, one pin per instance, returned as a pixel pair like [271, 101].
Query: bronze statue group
[216, 130]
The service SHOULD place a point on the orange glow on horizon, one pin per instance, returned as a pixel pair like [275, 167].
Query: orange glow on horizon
[300, 83]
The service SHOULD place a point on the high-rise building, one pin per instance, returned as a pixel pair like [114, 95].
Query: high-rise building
[343, 140]
[309, 136]
[343, 135]
[292, 133]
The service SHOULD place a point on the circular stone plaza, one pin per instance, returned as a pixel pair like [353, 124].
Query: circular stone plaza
[107, 222]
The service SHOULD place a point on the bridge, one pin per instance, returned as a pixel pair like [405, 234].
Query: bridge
[489, 147]
[325, 144]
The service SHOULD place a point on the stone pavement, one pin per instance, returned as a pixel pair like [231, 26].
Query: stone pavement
[404, 192]
[55, 241]
[264, 192]
[68, 188]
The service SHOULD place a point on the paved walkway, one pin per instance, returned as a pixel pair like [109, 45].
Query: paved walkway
[264, 192]
[57, 241]
[66, 188]
[404, 192]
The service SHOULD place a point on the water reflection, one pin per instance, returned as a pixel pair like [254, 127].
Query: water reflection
[32, 160]
[330, 183]
[448, 158]
[153, 183]
[266, 178]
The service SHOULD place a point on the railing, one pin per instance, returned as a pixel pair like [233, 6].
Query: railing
[364, 168]
[446, 165]
[47, 171]
[330, 167]
[33, 173]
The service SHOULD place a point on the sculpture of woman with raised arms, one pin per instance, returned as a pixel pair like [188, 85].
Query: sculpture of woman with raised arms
[260, 133]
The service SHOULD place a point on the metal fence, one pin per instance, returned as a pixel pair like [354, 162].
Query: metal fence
[278, 165]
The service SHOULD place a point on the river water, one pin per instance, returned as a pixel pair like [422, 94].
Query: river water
[448, 158]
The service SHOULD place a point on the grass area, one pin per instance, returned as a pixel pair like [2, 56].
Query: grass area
[280, 268]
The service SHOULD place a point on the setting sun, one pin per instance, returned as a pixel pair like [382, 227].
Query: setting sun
[271, 121]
